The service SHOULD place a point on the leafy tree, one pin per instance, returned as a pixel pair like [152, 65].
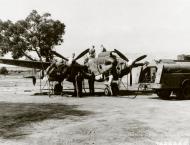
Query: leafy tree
[37, 33]
[3, 70]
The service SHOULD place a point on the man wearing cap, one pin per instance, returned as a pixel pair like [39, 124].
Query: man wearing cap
[91, 76]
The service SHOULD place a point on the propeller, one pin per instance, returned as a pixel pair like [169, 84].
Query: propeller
[138, 59]
[139, 64]
[82, 54]
[121, 55]
[59, 55]
[134, 64]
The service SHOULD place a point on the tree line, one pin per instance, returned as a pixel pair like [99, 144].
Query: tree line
[36, 33]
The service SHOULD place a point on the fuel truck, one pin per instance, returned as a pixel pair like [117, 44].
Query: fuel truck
[168, 77]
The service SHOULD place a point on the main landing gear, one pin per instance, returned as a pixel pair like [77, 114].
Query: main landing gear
[58, 88]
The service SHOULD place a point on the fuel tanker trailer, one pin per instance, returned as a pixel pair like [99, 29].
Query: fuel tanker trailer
[168, 77]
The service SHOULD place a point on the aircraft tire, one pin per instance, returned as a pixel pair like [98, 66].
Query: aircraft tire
[107, 91]
[115, 89]
[58, 89]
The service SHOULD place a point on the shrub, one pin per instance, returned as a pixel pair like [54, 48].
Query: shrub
[3, 70]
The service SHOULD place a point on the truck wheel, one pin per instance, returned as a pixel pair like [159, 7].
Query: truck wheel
[164, 94]
[185, 93]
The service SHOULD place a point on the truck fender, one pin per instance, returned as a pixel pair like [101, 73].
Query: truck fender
[184, 82]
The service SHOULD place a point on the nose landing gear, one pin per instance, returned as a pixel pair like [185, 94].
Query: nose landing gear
[111, 89]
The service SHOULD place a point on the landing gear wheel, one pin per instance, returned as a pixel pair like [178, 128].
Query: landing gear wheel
[58, 89]
[115, 89]
[107, 91]
[164, 94]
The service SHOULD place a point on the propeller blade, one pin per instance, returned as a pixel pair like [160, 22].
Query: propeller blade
[82, 54]
[59, 55]
[121, 55]
[139, 58]
[138, 64]
[131, 78]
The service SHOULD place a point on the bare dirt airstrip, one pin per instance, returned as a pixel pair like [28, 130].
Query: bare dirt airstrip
[99, 120]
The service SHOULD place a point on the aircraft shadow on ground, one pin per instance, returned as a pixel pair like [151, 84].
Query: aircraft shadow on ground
[122, 93]
[131, 94]
[13, 116]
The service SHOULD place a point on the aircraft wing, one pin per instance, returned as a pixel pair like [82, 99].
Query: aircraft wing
[26, 63]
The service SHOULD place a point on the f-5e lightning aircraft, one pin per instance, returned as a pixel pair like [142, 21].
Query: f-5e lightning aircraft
[109, 67]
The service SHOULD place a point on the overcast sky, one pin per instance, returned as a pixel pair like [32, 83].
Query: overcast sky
[158, 27]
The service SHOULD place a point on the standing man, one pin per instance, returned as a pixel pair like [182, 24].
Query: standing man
[92, 52]
[103, 48]
[90, 76]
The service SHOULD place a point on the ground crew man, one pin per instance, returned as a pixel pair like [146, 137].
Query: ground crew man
[90, 76]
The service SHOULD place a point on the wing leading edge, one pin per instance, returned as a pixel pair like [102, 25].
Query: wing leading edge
[25, 63]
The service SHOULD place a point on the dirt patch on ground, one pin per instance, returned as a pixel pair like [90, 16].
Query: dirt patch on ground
[16, 115]
[99, 120]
